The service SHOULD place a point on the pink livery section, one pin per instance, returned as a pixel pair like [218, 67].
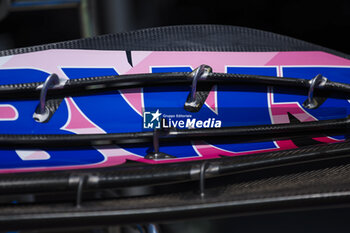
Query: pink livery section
[131, 110]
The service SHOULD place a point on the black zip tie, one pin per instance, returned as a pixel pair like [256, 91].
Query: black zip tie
[202, 178]
[80, 187]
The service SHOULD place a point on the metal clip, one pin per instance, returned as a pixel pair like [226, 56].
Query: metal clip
[152, 228]
[311, 102]
[192, 104]
[156, 154]
[42, 113]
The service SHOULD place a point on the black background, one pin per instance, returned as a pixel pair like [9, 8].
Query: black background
[323, 22]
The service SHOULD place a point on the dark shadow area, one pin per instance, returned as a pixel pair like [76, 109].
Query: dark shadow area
[322, 23]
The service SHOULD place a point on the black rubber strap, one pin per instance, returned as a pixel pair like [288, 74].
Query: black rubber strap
[238, 134]
[86, 86]
[167, 173]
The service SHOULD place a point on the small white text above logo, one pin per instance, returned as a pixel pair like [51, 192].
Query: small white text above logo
[157, 120]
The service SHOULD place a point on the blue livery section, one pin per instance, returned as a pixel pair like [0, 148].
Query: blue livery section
[111, 113]
[246, 103]
[332, 108]
[169, 100]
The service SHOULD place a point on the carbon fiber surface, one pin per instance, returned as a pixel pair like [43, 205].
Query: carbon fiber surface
[186, 38]
[310, 177]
